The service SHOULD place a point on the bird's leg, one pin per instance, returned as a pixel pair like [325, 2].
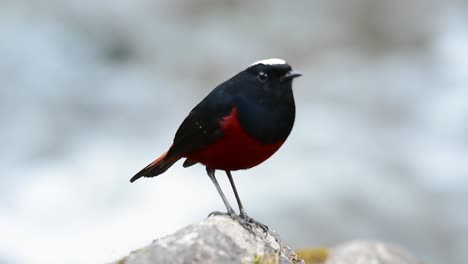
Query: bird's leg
[230, 211]
[242, 213]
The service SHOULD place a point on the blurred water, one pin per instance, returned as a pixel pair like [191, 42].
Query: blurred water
[92, 91]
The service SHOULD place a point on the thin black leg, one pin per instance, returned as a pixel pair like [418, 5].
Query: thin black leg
[242, 213]
[211, 174]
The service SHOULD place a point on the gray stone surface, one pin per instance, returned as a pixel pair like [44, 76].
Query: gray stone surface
[369, 252]
[218, 239]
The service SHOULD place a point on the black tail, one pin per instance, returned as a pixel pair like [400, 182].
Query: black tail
[160, 165]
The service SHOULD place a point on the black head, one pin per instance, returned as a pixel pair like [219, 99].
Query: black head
[272, 71]
[267, 108]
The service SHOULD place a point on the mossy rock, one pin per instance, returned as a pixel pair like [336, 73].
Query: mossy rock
[313, 255]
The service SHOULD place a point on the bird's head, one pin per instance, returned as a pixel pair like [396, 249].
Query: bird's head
[270, 76]
[273, 70]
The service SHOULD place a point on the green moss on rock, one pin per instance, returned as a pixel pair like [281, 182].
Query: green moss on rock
[313, 255]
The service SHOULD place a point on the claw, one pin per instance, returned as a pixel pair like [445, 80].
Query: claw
[261, 225]
[247, 225]
[215, 213]
[244, 220]
[253, 222]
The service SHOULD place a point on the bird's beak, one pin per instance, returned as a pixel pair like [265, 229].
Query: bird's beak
[290, 75]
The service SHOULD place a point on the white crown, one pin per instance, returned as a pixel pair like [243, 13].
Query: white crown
[272, 61]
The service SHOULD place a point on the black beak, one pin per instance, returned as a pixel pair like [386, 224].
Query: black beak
[290, 75]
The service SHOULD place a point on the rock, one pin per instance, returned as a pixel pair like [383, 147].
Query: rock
[358, 252]
[369, 252]
[218, 239]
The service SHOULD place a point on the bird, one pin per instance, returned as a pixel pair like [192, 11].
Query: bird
[238, 125]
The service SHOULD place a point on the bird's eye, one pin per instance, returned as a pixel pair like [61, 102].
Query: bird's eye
[262, 76]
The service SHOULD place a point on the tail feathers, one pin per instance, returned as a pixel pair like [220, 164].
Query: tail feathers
[156, 167]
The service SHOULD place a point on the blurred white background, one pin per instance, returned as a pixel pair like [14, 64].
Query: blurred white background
[92, 91]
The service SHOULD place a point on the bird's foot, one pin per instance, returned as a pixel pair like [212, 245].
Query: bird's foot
[254, 222]
[249, 223]
[229, 213]
[244, 220]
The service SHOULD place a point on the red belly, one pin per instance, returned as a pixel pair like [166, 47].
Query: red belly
[236, 150]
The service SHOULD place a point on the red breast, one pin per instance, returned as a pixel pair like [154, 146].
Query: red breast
[236, 150]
